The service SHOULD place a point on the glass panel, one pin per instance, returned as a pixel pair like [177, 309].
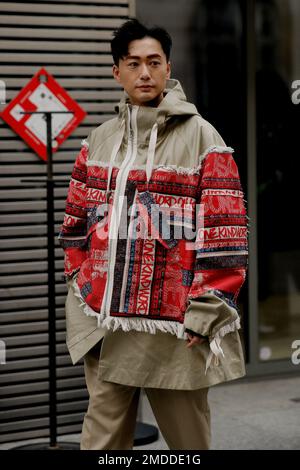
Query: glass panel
[220, 84]
[278, 165]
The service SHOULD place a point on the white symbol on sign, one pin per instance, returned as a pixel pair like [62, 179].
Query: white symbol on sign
[44, 100]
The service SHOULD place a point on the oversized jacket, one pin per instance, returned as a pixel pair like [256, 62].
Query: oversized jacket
[166, 160]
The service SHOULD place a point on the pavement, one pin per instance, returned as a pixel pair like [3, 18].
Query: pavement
[254, 413]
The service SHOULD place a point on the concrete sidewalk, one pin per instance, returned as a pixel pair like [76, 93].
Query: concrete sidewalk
[251, 414]
[247, 414]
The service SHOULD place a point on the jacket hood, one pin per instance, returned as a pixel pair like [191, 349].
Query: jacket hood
[174, 103]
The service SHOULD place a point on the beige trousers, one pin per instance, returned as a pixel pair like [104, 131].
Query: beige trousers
[183, 416]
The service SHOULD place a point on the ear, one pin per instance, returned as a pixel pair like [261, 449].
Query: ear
[168, 70]
[116, 73]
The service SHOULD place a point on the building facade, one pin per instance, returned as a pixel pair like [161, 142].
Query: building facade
[238, 62]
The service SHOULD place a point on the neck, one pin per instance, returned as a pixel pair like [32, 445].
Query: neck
[152, 103]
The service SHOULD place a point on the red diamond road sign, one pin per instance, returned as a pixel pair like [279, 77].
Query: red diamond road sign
[43, 93]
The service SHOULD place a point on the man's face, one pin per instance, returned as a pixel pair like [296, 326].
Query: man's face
[143, 72]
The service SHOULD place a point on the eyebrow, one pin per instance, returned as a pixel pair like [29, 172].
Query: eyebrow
[150, 56]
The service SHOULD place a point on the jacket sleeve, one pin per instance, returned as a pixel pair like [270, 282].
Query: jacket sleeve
[221, 247]
[72, 234]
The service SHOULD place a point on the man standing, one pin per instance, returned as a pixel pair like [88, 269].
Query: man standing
[155, 241]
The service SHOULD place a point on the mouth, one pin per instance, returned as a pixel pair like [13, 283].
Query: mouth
[145, 87]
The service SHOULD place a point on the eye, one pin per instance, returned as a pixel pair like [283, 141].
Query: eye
[133, 64]
[155, 62]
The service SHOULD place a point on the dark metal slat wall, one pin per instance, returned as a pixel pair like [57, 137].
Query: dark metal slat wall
[71, 39]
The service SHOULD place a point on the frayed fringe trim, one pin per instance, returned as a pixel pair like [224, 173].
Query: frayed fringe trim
[85, 143]
[128, 324]
[215, 343]
[178, 169]
[216, 148]
[144, 325]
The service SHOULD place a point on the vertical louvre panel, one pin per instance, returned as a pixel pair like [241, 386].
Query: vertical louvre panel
[71, 39]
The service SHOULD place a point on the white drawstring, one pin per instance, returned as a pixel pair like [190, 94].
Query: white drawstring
[215, 350]
[151, 152]
[115, 219]
[114, 153]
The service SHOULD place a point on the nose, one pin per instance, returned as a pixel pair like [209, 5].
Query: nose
[145, 75]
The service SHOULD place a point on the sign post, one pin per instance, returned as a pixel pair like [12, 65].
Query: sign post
[50, 183]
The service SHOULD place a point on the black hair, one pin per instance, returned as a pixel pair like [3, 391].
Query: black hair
[133, 29]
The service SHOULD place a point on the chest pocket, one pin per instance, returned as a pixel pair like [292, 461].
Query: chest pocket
[168, 223]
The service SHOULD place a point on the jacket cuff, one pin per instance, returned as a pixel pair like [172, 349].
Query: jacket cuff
[194, 333]
[211, 316]
[207, 314]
